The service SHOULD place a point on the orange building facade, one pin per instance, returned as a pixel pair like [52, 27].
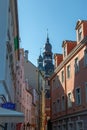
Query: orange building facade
[69, 83]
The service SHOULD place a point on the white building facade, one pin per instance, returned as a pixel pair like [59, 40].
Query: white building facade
[9, 45]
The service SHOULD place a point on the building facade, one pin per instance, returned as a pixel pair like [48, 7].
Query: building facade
[9, 54]
[31, 77]
[69, 83]
[27, 97]
[23, 97]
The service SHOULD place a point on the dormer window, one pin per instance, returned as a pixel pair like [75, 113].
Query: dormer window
[80, 34]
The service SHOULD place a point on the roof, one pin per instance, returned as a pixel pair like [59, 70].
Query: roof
[67, 41]
[7, 115]
[79, 23]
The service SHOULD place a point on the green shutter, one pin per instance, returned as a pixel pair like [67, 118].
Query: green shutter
[16, 42]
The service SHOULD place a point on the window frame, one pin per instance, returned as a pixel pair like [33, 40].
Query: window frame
[64, 126]
[70, 122]
[80, 121]
[68, 71]
[58, 105]
[69, 99]
[79, 34]
[76, 64]
[63, 103]
[78, 96]
[62, 76]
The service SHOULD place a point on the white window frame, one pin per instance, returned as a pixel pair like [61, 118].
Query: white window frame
[68, 71]
[62, 76]
[69, 99]
[79, 34]
[78, 96]
[76, 65]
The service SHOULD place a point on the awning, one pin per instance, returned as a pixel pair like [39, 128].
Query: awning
[8, 116]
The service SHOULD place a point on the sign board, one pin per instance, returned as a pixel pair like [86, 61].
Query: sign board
[8, 105]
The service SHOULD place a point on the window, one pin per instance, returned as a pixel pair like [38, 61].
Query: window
[78, 96]
[59, 127]
[58, 105]
[80, 34]
[47, 93]
[64, 127]
[76, 65]
[63, 103]
[54, 127]
[70, 126]
[68, 71]
[70, 99]
[85, 57]
[79, 125]
[62, 76]
[54, 108]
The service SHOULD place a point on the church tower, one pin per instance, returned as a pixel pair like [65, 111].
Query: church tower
[45, 64]
[48, 59]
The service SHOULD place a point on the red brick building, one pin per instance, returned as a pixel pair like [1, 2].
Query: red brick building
[69, 83]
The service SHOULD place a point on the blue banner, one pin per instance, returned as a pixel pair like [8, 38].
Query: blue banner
[8, 105]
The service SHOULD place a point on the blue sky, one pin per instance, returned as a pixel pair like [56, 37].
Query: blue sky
[59, 16]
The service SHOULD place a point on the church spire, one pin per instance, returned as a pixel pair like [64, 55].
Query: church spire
[47, 36]
[40, 61]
